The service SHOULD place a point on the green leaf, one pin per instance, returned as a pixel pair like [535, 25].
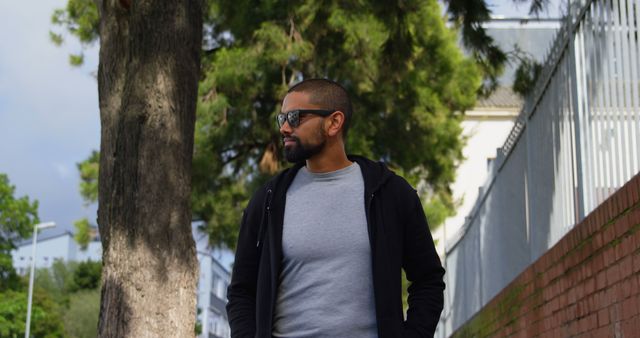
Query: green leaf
[81, 19]
[81, 318]
[56, 38]
[89, 170]
[17, 218]
[76, 59]
[45, 321]
[83, 233]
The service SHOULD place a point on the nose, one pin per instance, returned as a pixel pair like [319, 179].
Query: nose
[285, 129]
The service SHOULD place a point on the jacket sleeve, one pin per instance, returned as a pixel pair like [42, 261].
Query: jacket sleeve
[241, 293]
[424, 272]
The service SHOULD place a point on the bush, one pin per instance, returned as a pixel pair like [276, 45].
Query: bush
[81, 318]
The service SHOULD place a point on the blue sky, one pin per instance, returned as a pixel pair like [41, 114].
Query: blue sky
[49, 118]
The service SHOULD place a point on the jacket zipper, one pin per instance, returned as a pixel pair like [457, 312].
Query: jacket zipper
[369, 225]
[262, 228]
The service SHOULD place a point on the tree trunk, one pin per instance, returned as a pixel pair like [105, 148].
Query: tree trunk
[147, 81]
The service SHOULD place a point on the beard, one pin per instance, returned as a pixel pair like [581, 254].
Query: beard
[302, 152]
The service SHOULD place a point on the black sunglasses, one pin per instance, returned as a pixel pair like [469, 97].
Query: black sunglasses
[293, 116]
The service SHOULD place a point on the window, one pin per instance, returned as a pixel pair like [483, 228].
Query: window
[219, 288]
[213, 323]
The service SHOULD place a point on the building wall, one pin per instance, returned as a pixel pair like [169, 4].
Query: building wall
[62, 247]
[93, 252]
[212, 290]
[587, 285]
[485, 131]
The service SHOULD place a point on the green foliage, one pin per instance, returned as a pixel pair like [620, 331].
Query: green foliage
[437, 205]
[438, 208]
[401, 65]
[56, 38]
[468, 16]
[75, 289]
[53, 286]
[526, 76]
[64, 278]
[83, 233]
[80, 18]
[89, 170]
[45, 321]
[198, 327]
[76, 59]
[81, 317]
[57, 281]
[409, 83]
[17, 218]
[405, 293]
[86, 275]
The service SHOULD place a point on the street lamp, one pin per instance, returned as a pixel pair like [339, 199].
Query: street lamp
[36, 227]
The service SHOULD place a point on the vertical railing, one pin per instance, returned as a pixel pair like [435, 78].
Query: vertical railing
[575, 142]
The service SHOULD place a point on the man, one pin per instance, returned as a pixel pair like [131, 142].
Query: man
[322, 245]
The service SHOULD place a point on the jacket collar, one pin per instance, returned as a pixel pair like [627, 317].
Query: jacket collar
[374, 174]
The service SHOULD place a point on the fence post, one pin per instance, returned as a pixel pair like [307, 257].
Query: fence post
[577, 100]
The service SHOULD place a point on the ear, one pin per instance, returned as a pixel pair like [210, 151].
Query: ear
[334, 122]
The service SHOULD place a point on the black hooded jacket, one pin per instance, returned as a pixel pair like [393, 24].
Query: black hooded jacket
[399, 239]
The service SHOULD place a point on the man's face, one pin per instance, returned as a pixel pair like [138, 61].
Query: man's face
[308, 138]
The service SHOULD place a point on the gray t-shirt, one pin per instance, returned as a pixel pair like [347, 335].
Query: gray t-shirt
[326, 287]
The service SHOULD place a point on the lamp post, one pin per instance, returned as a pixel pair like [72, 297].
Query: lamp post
[36, 227]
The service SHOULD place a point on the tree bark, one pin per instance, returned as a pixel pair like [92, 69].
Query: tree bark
[147, 82]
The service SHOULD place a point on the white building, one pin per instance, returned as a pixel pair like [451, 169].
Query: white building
[485, 127]
[53, 244]
[212, 289]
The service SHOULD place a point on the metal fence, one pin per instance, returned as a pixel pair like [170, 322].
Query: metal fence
[574, 143]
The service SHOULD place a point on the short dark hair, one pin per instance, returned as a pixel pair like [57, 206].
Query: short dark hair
[328, 95]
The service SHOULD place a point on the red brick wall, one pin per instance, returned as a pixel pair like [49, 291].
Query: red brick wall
[587, 285]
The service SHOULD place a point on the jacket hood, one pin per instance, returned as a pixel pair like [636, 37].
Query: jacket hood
[375, 173]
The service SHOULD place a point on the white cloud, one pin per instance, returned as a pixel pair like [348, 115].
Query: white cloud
[62, 170]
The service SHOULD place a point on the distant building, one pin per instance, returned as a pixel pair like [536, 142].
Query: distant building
[214, 278]
[53, 245]
[212, 290]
